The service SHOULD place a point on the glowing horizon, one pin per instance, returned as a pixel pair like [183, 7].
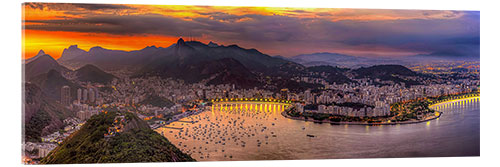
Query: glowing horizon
[52, 27]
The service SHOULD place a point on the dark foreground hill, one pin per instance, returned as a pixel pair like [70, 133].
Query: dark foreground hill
[332, 74]
[136, 143]
[52, 82]
[157, 101]
[384, 70]
[394, 73]
[91, 73]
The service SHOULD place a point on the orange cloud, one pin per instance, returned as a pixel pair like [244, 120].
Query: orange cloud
[36, 11]
[54, 42]
[333, 14]
[55, 15]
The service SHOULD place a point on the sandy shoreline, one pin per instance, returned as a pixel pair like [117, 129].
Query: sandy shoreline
[374, 124]
[358, 123]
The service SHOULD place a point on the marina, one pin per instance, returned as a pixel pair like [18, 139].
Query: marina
[244, 134]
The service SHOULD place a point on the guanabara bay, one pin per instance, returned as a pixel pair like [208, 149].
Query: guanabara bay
[119, 83]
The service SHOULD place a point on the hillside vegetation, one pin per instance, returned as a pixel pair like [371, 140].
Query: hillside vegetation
[138, 143]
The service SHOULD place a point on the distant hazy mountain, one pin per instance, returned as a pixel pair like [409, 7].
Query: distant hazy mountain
[194, 61]
[72, 52]
[153, 58]
[443, 56]
[342, 60]
[91, 73]
[41, 63]
[40, 53]
[42, 115]
[106, 59]
[282, 57]
[324, 56]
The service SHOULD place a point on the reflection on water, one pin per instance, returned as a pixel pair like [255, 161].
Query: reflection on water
[259, 132]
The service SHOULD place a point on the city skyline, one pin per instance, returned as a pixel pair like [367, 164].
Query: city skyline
[157, 83]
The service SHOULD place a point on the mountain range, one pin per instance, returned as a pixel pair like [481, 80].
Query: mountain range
[43, 79]
[46, 73]
[181, 53]
[106, 59]
[450, 56]
[343, 60]
[193, 62]
[190, 61]
[40, 64]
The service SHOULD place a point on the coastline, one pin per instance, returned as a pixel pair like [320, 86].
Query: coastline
[175, 120]
[454, 100]
[375, 124]
[359, 123]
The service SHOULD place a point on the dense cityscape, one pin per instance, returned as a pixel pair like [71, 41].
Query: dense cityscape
[118, 83]
[161, 101]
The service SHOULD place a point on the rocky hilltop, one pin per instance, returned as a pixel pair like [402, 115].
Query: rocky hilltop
[115, 137]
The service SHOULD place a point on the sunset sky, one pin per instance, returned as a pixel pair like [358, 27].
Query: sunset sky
[274, 31]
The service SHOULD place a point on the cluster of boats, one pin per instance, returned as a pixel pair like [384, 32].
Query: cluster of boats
[211, 134]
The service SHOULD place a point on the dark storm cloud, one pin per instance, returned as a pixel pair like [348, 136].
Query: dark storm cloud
[324, 14]
[458, 36]
[473, 40]
[299, 11]
[119, 25]
[34, 5]
[74, 6]
[100, 6]
[220, 16]
[261, 28]
[450, 36]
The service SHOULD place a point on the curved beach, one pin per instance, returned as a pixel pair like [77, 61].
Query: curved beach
[381, 123]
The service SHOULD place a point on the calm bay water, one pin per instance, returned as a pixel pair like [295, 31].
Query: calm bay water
[232, 134]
